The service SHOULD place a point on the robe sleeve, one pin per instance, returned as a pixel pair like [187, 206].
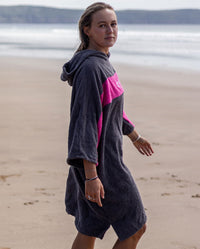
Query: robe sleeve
[86, 109]
[128, 126]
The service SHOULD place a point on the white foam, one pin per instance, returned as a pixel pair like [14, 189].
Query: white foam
[144, 44]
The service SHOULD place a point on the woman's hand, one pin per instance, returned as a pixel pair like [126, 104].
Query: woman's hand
[94, 191]
[142, 145]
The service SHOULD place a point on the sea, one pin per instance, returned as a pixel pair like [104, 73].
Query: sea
[163, 46]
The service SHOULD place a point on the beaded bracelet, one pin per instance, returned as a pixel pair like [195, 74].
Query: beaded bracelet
[91, 179]
[137, 139]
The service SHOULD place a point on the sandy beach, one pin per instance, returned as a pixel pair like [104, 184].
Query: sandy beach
[34, 108]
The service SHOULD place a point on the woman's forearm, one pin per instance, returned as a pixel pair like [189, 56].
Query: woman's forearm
[90, 169]
[133, 135]
[94, 189]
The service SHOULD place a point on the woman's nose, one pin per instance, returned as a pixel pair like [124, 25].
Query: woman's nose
[109, 29]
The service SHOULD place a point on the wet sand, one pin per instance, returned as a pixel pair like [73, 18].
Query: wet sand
[34, 107]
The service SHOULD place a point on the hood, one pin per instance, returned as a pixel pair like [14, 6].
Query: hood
[70, 68]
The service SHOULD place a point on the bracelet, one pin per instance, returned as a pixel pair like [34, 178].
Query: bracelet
[137, 139]
[91, 179]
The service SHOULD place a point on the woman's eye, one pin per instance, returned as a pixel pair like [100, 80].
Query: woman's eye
[104, 25]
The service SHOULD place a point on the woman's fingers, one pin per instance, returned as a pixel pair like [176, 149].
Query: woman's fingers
[147, 151]
[96, 199]
[102, 192]
[144, 147]
[94, 191]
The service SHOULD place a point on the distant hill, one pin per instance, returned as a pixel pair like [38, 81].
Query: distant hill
[181, 16]
[32, 14]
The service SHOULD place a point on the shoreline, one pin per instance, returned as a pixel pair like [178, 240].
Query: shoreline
[34, 104]
[121, 61]
[153, 72]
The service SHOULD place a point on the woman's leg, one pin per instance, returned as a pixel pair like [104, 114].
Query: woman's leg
[83, 242]
[131, 242]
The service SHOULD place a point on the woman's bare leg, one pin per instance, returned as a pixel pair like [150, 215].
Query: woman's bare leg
[131, 242]
[83, 242]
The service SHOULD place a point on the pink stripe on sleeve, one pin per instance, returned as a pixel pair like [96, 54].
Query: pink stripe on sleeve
[127, 119]
[99, 126]
[112, 89]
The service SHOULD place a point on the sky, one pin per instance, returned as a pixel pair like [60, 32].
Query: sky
[117, 4]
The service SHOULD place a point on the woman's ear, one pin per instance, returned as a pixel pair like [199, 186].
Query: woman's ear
[86, 30]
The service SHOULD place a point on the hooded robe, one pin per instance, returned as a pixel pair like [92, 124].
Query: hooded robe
[97, 125]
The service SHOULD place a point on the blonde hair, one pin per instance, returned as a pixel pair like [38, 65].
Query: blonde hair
[86, 20]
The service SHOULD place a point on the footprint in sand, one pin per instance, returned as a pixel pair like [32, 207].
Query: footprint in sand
[182, 186]
[30, 203]
[196, 196]
[44, 193]
[155, 144]
[165, 194]
[155, 163]
[182, 246]
[143, 179]
[40, 189]
[4, 248]
[47, 194]
[179, 180]
[4, 178]
[155, 178]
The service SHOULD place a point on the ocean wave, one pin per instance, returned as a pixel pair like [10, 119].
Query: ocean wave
[146, 44]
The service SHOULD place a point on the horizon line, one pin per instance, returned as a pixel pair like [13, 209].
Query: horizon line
[74, 8]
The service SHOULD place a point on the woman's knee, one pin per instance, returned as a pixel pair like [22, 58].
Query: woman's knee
[140, 232]
[144, 228]
[83, 241]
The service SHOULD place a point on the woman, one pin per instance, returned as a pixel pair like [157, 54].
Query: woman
[100, 189]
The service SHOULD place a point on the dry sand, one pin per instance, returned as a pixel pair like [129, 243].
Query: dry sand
[34, 108]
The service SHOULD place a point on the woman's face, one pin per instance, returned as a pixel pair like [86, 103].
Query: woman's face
[103, 30]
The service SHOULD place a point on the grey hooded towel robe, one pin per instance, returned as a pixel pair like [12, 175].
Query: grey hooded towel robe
[97, 123]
